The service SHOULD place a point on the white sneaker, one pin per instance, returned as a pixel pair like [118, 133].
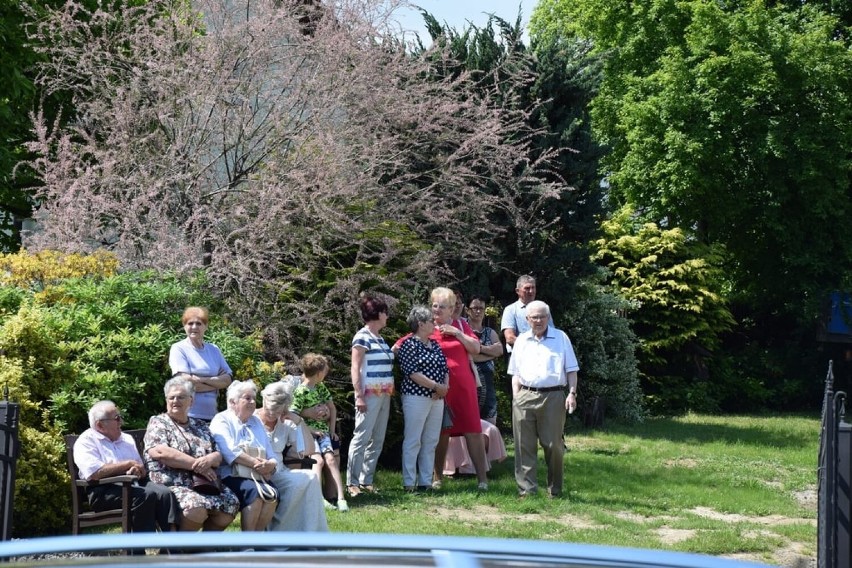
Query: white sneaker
[328, 505]
[342, 506]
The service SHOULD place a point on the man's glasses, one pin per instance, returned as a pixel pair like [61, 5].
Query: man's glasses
[537, 318]
[180, 397]
[117, 418]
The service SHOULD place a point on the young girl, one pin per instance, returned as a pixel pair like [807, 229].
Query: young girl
[312, 401]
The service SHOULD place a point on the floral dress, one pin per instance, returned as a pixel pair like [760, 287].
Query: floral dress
[162, 430]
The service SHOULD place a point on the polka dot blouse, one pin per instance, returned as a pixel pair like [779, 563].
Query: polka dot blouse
[416, 357]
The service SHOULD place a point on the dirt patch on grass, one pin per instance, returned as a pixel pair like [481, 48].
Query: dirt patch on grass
[807, 498]
[688, 463]
[484, 513]
[791, 555]
[768, 520]
[670, 536]
[636, 518]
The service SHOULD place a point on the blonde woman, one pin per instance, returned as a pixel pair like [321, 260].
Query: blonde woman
[458, 345]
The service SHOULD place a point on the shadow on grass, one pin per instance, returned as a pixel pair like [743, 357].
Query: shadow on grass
[674, 430]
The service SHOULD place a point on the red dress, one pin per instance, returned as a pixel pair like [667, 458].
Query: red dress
[461, 397]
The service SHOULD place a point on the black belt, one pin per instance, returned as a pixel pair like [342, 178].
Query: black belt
[545, 389]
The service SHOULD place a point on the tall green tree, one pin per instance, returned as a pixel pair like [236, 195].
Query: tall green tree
[733, 122]
[20, 96]
[17, 98]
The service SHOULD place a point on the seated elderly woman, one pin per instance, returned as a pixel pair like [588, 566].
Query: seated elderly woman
[290, 438]
[301, 507]
[177, 448]
[235, 430]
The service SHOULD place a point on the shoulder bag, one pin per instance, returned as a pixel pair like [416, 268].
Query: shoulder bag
[266, 491]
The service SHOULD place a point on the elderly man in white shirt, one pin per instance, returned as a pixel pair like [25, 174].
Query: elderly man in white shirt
[543, 365]
[105, 451]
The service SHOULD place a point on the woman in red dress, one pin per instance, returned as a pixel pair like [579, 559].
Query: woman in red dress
[458, 345]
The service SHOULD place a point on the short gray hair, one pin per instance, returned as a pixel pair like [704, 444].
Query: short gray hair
[276, 396]
[416, 316]
[179, 383]
[238, 388]
[524, 279]
[99, 411]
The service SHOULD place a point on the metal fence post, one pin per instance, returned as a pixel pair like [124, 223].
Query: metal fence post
[10, 449]
[834, 481]
[843, 498]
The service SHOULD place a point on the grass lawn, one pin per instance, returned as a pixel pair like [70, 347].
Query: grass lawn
[734, 486]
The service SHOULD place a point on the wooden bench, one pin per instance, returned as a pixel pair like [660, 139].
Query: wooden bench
[82, 516]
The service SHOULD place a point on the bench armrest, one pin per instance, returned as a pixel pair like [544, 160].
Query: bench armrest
[106, 480]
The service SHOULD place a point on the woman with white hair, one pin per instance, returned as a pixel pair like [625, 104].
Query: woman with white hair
[234, 429]
[301, 506]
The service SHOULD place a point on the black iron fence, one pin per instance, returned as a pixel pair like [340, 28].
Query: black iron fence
[9, 451]
[834, 480]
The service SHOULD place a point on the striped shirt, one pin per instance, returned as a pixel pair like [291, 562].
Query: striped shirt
[377, 370]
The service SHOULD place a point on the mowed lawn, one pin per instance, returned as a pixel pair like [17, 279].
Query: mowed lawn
[735, 486]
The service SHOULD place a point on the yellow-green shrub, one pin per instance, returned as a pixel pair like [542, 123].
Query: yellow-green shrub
[42, 503]
[43, 268]
[85, 339]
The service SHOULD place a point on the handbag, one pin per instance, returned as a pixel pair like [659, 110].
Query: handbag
[475, 372]
[461, 325]
[201, 484]
[240, 470]
[447, 421]
[266, 491]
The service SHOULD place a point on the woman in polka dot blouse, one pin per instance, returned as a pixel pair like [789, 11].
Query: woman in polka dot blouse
[425, 383]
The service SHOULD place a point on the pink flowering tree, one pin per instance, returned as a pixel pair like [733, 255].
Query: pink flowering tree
[294, 150]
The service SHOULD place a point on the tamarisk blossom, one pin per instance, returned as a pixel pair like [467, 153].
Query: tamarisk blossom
[270, 142]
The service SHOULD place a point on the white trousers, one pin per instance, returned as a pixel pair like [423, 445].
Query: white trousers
[423, 417]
